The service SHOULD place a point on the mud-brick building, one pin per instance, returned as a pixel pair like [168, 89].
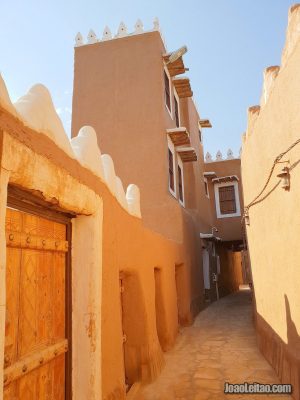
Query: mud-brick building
[271, 174]
[127, 88]
[96, 279]
[138, 98]
[140, 102]
[223, 187]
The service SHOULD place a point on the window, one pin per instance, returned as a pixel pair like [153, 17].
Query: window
[167, 91]
[180, 187]
[171, 168]
[171, 171]
[180, 181]
[176, 110]
[227, 199]
[206, 187]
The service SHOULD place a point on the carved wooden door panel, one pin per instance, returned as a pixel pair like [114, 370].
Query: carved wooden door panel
[35, 332]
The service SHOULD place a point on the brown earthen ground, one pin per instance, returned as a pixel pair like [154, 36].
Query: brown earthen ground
[220, 347]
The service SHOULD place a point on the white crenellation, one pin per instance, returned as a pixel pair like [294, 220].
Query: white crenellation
[139, 28]
[133, 200]
[270, 75]
[229, 154]
[109, 172]
[219, 156]
[120, 193]
[5, 101]
[122, 31]
[37, 111]
[86, 149]
[92, 38]
[106, 34]
[292, 33]
[208, 157]
[156, 26]
[79, 40]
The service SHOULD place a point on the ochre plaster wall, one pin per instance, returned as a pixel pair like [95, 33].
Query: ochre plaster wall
[119, 90]
[127, 247]
[273, 233]
[231, 276]
[229, 228]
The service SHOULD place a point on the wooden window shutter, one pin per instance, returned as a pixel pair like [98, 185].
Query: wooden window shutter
[176, 109]
[227, 200]
[180, 185]
[167, 90]
[171, 171]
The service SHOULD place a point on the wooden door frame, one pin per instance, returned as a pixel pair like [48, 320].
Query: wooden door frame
[27, 202]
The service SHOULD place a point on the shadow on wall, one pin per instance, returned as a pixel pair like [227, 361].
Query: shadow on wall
[160, 310]
[284, 357]
[293, 373]
[142, 360]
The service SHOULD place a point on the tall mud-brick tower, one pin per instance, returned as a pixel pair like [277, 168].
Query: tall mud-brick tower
[132, 91]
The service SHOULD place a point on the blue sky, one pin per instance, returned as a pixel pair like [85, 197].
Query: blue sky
[230, 43]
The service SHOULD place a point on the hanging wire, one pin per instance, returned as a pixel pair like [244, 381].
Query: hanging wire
[276, 161]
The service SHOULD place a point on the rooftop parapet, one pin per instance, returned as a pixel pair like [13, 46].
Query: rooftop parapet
[219, 156]
[270, 74]
[121, 33]
[292, 33]
[37, 112]
[253, 114]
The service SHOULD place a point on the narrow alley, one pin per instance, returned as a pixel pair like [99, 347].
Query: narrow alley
[220, 347]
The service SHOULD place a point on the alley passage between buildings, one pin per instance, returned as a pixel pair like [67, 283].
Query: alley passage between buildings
[220, 347]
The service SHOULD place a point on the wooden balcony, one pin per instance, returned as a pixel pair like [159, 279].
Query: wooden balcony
[179, 136]
[187, 154]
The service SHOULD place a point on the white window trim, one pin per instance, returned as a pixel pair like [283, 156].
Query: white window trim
[178, 102]
[206, 194]
[180, 164]
[237, 199]
[171, 147]
[171, 93]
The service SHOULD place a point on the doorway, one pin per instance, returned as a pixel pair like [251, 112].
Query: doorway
[38, 313]
[134, 326]
[159, 306]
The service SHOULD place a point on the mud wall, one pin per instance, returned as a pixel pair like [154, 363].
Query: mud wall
[273, 233]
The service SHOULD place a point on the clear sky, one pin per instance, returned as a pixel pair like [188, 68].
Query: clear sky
[229, 42]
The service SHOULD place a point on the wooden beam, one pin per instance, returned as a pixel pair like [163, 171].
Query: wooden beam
[33, 361]
[205, 123]
[179, 136]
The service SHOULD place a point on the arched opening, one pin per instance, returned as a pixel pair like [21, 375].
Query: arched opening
[134, 325]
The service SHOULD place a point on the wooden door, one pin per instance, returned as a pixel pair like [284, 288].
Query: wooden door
[35, 331]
